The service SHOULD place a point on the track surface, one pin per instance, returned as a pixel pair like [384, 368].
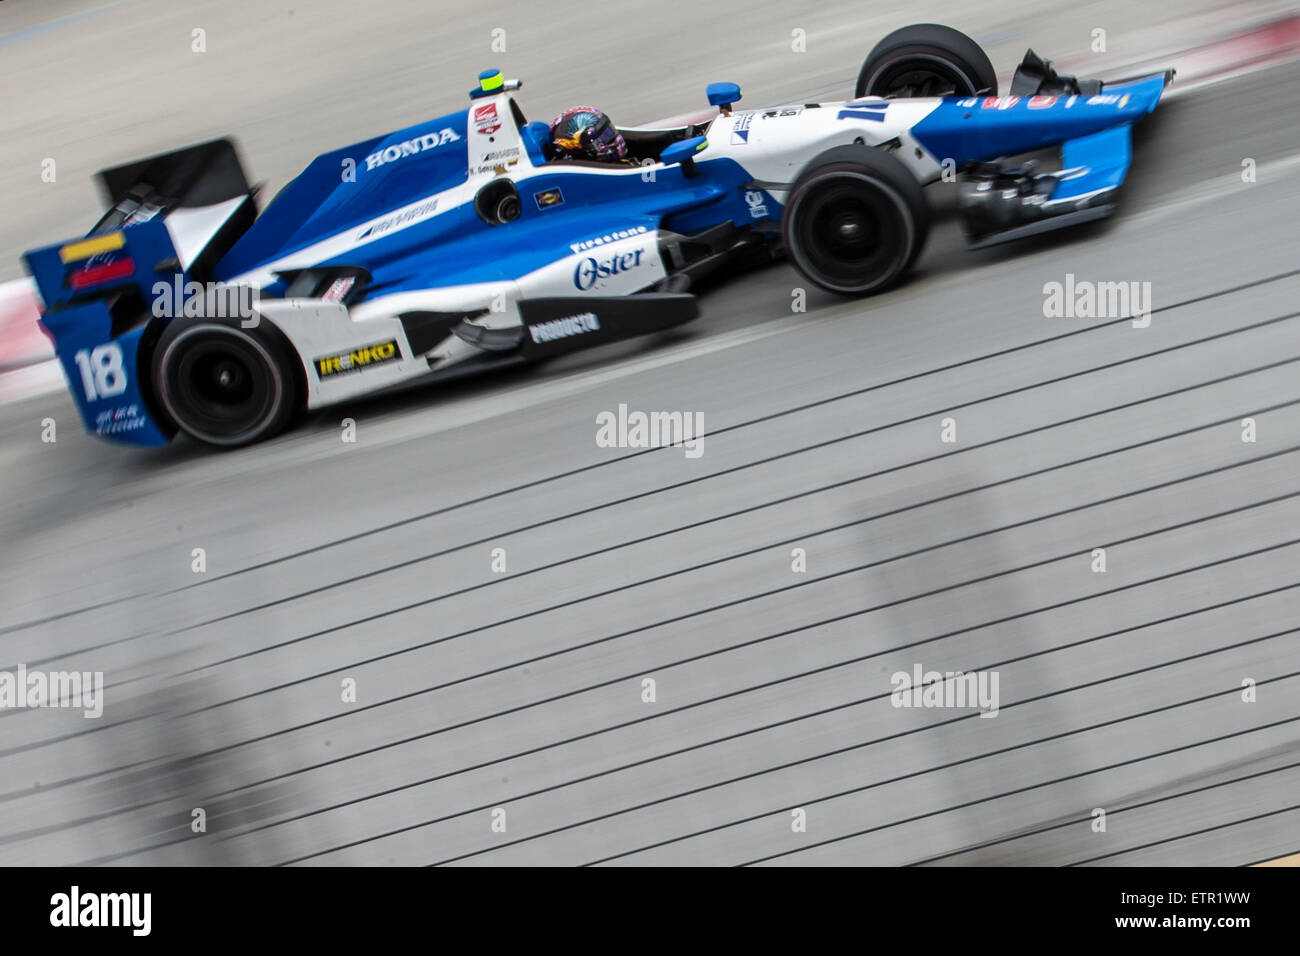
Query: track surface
[523, 690]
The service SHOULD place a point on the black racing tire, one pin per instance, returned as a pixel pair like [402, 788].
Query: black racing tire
[223, 384]
[927, 59]
[855, 220]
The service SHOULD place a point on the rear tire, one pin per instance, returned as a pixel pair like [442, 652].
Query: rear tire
[223, 384]
[855, 220]
[927, 59]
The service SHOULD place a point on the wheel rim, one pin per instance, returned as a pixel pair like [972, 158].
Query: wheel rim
[919, 76]
[848, 235]
[219, 385]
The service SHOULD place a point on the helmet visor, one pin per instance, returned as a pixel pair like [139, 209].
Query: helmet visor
[603, 141]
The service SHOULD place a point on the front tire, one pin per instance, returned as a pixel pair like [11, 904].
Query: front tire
[855, 220]
[223, 384]
[927, 59]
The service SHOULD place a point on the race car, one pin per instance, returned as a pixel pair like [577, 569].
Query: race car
[464, 243]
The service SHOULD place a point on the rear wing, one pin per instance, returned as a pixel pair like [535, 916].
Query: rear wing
[198, 195]
[200, 175]
[107, 296]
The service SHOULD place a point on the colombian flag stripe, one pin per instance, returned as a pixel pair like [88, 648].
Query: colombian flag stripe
[85, 278]
[91, 247]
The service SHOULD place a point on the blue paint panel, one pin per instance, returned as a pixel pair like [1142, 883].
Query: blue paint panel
[147, 243]
[981, 129]
[299, 200]
[872, 116]
[1105, 155]
[534, 135]
[113, 407]
[323, 201]
[457, 248]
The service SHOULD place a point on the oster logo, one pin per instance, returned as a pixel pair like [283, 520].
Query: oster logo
[486, 120]
[591, 272]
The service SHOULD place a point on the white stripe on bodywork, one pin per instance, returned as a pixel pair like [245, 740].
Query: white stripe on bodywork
[773, 149]
[411, 214]
[191, 229]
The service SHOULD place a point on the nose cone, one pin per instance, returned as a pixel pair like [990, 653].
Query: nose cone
[981, 129]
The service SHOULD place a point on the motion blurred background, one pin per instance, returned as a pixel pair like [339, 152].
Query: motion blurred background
[348, 679]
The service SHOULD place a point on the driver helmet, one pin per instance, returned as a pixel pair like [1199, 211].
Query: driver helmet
[586, 133]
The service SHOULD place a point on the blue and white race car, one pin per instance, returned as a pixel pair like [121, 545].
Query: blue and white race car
[464, 243]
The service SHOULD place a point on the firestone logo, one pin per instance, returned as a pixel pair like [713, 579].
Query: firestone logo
[608, 237]
[411, 147]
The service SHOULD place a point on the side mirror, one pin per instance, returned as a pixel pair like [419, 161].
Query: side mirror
[722, 95]
[683, 151]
